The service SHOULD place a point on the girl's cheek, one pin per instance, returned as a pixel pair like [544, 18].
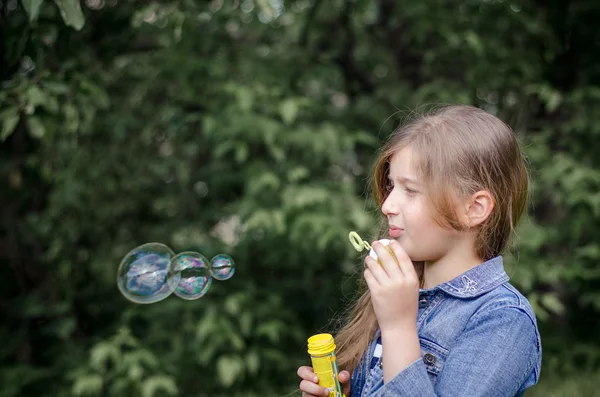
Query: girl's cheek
[412, 210]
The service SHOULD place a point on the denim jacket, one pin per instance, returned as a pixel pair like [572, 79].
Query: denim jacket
[478, 336]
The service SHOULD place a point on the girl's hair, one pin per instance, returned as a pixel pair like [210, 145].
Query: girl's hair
[459, 150]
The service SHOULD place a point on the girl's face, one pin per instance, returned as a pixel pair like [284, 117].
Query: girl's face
[410, 213]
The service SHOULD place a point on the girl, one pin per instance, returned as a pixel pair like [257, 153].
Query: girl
[443, 320]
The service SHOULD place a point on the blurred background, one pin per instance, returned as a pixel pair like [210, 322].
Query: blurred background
[249, 127]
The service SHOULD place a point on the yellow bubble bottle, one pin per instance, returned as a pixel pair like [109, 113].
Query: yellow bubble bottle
[321, 348]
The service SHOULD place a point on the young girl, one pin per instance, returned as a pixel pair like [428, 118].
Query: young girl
[443, 320]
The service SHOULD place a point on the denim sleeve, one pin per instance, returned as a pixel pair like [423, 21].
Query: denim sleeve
[493, 357]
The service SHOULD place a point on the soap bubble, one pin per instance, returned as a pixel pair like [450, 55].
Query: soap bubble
[151, 272]
[143, 275]
[194, 275]
[222, 267]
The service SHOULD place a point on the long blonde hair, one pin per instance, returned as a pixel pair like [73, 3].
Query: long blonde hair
[460, 150]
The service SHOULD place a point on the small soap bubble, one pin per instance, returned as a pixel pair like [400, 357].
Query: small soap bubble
[222, 267]
[143, 275]
[194, 275]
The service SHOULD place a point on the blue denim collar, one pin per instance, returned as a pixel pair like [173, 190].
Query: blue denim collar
[477, 281]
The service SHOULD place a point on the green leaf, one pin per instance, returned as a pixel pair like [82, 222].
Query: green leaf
[474, 42]
[206, 325]
[88, 385]
[288, 110]
[223, 148]
[32, 8]
[36, 128]
[245, 98]
[56, 87]
[102, 354]
[140, 357]
[237, 342]
[208, 125]
[158, 382]
[552, 303]
[297, 173]
[246, 323]
[232, 305]
[135, 372]
[252, 362]
[71, 12]
[35, 96]
[71, 117]
[9, 119]
[97, 93]
[266, 8]
[271, 330]
[207, 353]
[228, 369]
[553, 101]
[241, 153]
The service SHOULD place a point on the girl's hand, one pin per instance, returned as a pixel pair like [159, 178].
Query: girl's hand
[310, 387]
[394, 287]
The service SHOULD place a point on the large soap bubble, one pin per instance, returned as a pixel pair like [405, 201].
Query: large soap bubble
[143, 275]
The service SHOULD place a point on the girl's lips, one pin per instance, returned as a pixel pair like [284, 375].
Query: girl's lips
[395, 232]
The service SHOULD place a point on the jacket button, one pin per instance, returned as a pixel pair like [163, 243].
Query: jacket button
[429, 358]
[423, 301]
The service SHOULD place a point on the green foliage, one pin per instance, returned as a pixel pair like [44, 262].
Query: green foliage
[579, 385]
[249, 128]
[121, 366]
[70, 10]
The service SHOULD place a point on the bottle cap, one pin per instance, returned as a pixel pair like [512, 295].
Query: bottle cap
[321, 344]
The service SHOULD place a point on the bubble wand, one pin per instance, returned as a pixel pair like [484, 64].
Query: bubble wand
[359, 244]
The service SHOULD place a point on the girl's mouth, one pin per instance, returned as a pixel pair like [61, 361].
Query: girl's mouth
[395, 232]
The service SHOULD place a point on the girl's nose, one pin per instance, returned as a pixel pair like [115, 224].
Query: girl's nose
[390, 205]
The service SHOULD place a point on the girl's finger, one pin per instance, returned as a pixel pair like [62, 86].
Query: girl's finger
[377, 271]
[312, 389]
[307, 373]
[344, 378]
[387, 260]
[406, 264]
[370, 279]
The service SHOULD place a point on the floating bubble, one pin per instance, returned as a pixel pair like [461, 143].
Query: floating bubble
[143, 275]
[194, 275]
[222, 267]
[151, 272]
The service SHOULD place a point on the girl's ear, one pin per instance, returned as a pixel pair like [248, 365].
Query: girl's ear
[479, 206]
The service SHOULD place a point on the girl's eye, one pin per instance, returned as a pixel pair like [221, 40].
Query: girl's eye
[410, 191]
